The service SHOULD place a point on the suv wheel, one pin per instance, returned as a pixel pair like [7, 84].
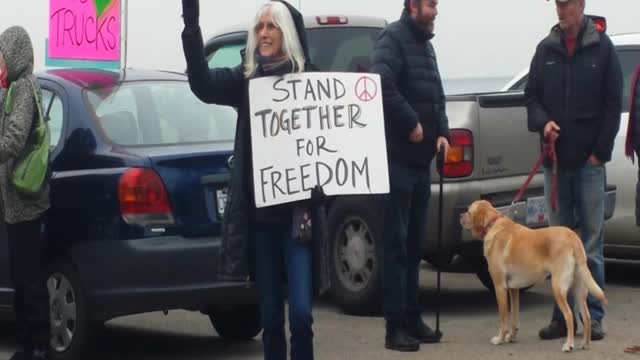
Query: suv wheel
[356, 238]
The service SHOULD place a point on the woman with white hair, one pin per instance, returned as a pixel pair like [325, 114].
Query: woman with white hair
[276, 45]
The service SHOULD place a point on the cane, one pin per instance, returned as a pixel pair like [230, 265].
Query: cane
[440, 166]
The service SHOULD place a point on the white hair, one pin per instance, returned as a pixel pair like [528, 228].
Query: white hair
[291, 47]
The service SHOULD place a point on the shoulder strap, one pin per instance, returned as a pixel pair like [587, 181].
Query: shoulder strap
[36, 96]
[8, 104]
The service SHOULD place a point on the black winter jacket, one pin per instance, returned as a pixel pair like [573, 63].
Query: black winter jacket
[412, 91]
[582, 94]
[633, 132]
[226, 86]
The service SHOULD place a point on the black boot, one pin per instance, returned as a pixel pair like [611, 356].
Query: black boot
[35, 355]
[555, 330]
[422, 332]
[20, 355]
[597, 333]
[398, 339]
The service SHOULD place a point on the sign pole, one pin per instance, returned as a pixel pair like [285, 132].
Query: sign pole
[125, 34]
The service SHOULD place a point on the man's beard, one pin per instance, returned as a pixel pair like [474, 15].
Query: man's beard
[425, 22]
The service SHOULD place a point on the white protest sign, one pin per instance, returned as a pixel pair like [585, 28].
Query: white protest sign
[317, 129]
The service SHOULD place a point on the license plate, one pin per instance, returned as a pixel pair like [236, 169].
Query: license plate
[221, 201]
[536, 211]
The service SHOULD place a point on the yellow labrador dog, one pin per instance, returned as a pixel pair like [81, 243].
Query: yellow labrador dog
[519, 257]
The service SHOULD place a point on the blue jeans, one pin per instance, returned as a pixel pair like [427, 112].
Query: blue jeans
[277, 254]
[581, 202]
[404, 229]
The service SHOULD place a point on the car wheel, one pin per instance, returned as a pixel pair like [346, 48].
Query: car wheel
[238, 323]
[68, 315]
[356, 236]
[482, 272]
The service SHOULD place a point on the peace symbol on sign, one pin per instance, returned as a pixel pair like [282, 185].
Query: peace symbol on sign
[366, 88]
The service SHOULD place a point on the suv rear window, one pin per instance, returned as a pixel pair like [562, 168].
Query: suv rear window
[337, 49]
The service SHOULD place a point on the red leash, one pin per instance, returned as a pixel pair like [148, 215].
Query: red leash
[548, 151]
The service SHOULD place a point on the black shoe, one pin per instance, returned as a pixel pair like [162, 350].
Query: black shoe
[597, 333]
[423, 333]
[398, 339]
[20, 356]
[555, 330]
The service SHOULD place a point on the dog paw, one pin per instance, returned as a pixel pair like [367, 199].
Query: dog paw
[510, 338]
[586, 346]
[567, 348]
[497, 340]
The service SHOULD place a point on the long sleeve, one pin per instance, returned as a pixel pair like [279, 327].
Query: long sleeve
[387, 62]
[612, 107]
[17, 125]
[222, 86]
[537, 116]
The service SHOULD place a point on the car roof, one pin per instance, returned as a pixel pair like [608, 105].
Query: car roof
[311, 22]
[626, 39]
[91, 78]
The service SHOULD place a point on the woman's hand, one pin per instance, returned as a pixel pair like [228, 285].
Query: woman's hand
[318, 196]
[190, 11]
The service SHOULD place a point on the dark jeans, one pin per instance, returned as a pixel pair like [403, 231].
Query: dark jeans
[404, 229]
[31, 299]
[276, 254]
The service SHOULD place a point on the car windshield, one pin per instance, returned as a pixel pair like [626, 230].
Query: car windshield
[152, 113]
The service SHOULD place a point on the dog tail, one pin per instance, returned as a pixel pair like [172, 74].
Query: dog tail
[590, 283]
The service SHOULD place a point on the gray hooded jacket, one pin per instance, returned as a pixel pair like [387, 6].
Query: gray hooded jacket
[15, 128]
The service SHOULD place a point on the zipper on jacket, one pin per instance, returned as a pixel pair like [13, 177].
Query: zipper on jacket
[567, 92]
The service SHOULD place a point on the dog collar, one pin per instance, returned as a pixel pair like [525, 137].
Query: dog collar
[485, 230]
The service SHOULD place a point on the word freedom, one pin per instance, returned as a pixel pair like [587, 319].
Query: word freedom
[275, 183]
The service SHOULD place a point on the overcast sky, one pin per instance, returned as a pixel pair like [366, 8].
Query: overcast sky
[474, 38]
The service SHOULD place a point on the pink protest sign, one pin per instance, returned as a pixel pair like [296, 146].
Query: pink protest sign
[84, 30]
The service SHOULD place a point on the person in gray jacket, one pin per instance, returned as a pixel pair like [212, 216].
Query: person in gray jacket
[23, 214]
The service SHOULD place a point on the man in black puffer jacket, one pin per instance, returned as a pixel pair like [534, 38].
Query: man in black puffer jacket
[574, 97]
[416, 126]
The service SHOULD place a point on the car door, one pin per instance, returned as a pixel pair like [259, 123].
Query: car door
[622, 237]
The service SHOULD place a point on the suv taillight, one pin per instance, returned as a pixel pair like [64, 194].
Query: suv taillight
[332, 20]
[459, 162]
[143, 198]
[600, 22]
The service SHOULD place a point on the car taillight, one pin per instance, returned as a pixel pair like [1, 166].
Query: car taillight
[459, 161]
[143, 198]
[332, 20]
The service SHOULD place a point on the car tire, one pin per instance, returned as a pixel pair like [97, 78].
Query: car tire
[482, 272]
[238, 323]
[355, 233]
[70, 325]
